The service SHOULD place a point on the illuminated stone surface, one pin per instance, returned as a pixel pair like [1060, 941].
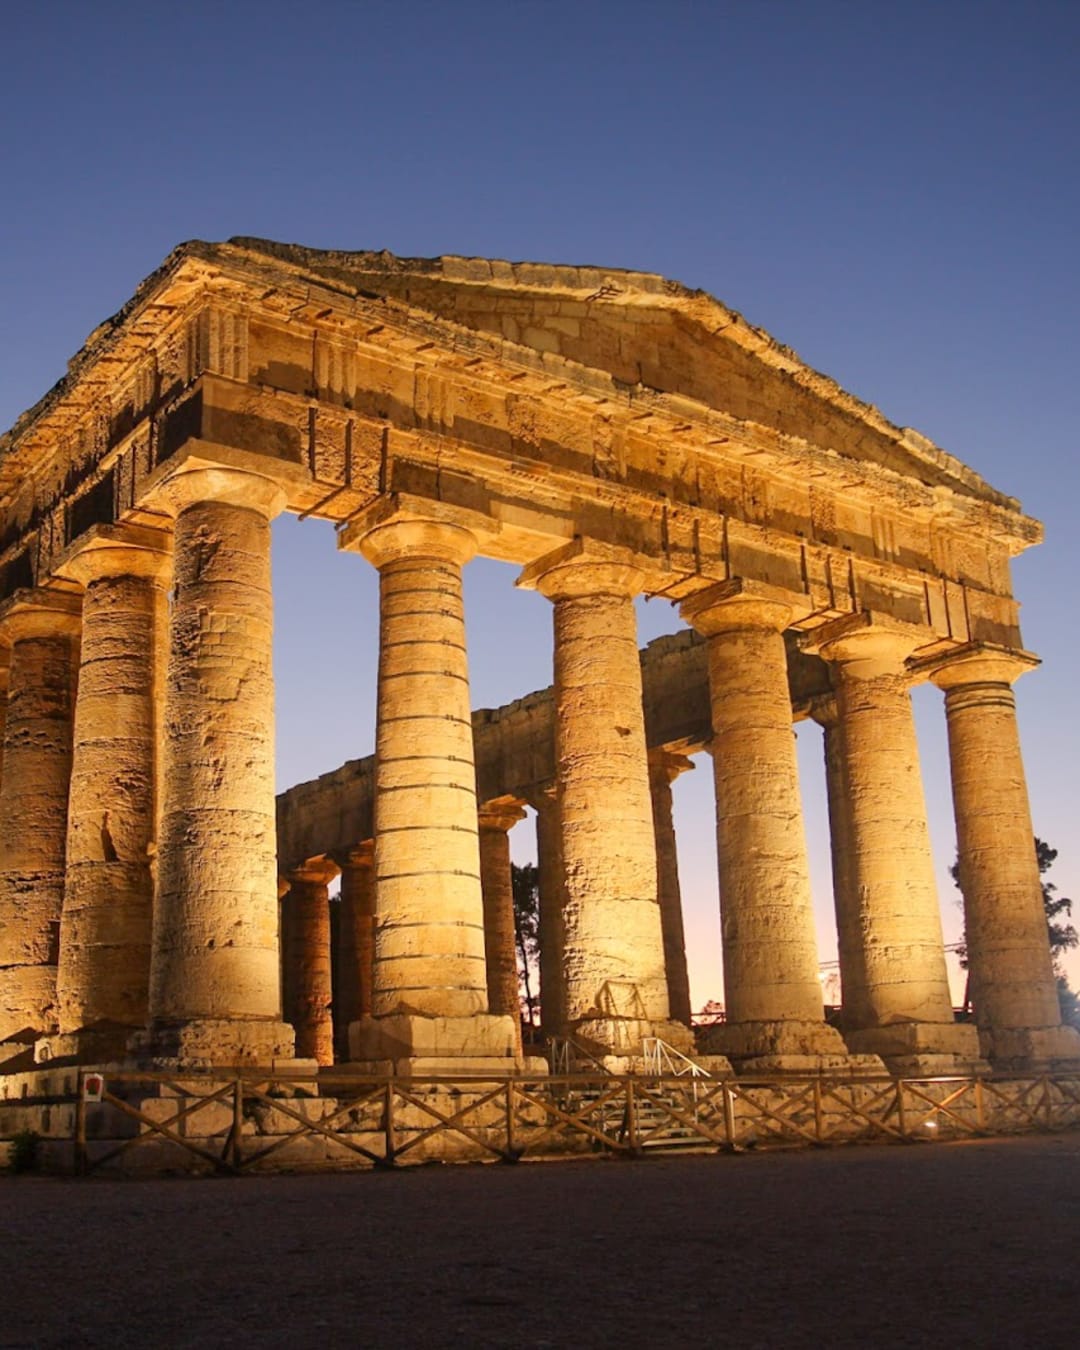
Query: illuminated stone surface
[104, 968]
[612, 434]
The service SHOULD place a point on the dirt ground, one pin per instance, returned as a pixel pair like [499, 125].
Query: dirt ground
[951, 1245]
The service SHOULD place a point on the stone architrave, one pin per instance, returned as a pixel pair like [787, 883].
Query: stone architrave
[215, 994]
[355, 973]
[1013, 988]
[613, 953]
[775, 1016]
[430, 1000]
[552, 885]
[664, 767]
[306, 960]
[896, 988]
[496, 820]
[104, 967]
[43, 629]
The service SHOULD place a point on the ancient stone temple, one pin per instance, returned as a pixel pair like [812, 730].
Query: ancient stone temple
[613, 434]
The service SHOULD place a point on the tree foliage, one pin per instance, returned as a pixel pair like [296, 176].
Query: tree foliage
[526, 887]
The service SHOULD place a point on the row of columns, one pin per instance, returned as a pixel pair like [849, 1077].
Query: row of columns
[96, 797]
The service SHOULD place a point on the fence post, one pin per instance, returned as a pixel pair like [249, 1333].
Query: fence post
[980, 1106]
[390, 1143]
[513, 1153]
[901, 1118]
[631, 1118]
[818, 1131]
[729, 1118]
[237, 1124]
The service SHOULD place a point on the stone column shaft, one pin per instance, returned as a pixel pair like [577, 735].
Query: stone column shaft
[43, 629]
[357, 965]
[845, 895]
[500, 940]
[615, 985]
[772, 994]
[214, 978]
[896, 988]
[104, 969]
[1013, 988]
[429, 951]
[430, 1000]
[664, 768]
[552, 901]
[307, 961]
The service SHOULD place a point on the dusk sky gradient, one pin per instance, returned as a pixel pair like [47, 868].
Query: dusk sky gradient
[891, 189]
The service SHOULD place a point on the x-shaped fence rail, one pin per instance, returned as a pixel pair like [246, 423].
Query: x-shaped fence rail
[235, 1123]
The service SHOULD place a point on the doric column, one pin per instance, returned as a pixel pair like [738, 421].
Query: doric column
[845, 893]
[896, 989]
[552, 902]
[615, 986]
[104, 968]
[43, 629]
[306, 960]
[1013, 989]
[356, 966]
[775, 1017]
[496, 819]
[214, 973]
[430, 998]
[664, 767]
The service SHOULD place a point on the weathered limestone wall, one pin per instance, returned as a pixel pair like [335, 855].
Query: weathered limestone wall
[43, 631]
[214, 980]
[613, 954]
[772, 991]
[1013, 988]
[104, 966]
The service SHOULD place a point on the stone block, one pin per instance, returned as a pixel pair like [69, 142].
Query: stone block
[483, 1040]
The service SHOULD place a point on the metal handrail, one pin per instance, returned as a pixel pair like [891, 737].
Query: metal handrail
[564, 1051]
[663, 1060]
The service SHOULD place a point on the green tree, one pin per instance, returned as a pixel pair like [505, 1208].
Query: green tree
[526, 886]
[1062, 936]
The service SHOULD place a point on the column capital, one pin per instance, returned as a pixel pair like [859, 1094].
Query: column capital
[195, 481]
[315, 872]
[978, 663]
[824, 711]
[40, 613]
[360, 855]
[867, 644]
[399, 525]
[585, 567]
[740, 603]
[117, 551]
[668, 763]
[502, 814]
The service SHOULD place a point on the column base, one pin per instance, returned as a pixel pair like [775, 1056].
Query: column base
[622, 1037]
[1032, 1049]
[789, 1047]
[410, 1044]
[106, 1043]
[215, 1042]
[922, 1049]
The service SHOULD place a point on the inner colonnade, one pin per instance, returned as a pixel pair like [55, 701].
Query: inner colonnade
[613, 435]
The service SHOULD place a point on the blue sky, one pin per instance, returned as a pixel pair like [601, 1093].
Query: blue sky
[890, 189]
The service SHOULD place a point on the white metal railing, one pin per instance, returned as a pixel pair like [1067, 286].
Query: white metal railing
[565, 1056]
[664, 1061]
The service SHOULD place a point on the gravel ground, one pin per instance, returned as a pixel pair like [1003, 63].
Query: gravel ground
[952, 1245]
